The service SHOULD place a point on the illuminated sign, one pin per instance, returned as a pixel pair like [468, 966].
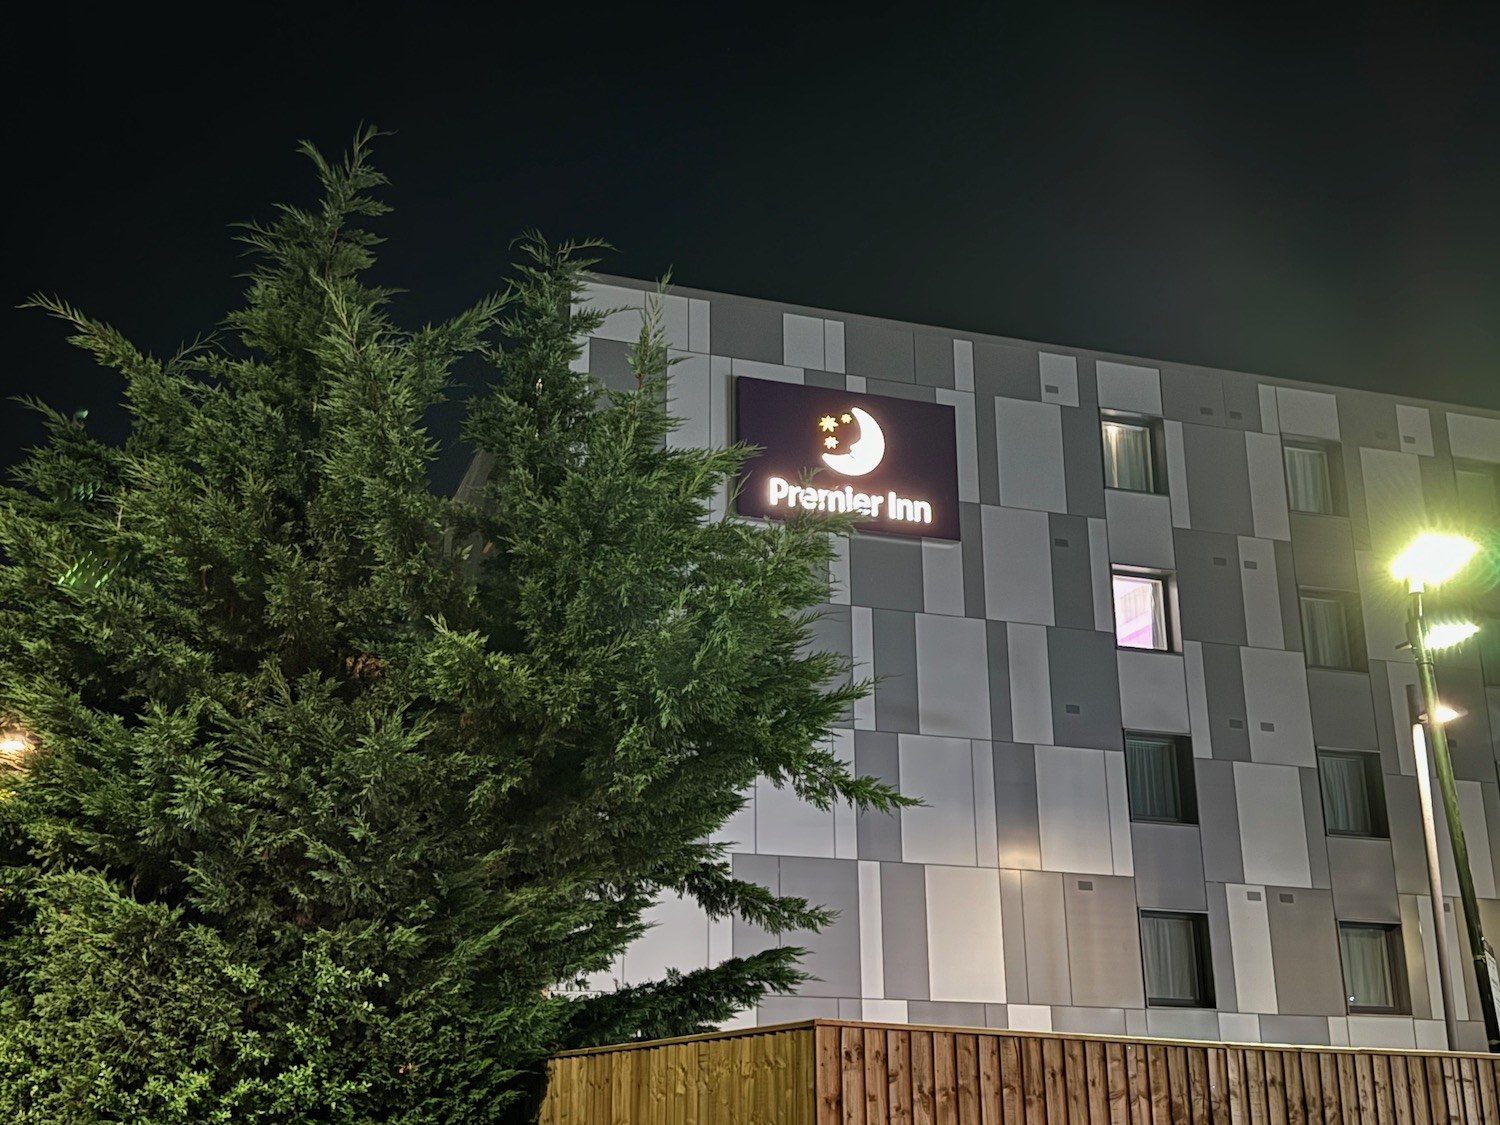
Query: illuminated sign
[892, 462]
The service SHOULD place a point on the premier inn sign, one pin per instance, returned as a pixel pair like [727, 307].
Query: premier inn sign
[892, 462]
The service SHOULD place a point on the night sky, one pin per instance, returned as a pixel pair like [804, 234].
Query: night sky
[1311, 200]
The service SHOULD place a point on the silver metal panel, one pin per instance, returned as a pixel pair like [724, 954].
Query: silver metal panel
[965, 943]
[1364, 880]
[1273, 832]
[1046, 929]
[1085, 688]
[903, 908]
[1030, 449]
[833, 954]
[1017, 565]
[1343, 712]
[1168, 866]
[1140, 529]
[1278, 715]
[1073, 810]
[952, 676]
[1305, 951]
[1153, 691]
[939, 772]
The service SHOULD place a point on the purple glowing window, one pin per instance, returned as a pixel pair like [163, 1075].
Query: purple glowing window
[1140, 611]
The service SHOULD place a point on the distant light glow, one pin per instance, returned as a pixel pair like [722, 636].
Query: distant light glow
[1446, 714]
[1450, 633]
[1432, 558]
[12, 745]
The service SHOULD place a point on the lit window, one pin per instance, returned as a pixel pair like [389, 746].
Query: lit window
[1327, 638]
[1174, 953]
[1353, 793]
[1309, 481]
[1373, 980]
[1478, 496]
[1127, 456]
[1140, 611]
[1158, 776]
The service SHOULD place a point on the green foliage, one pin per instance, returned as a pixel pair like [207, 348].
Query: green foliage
[324, 801]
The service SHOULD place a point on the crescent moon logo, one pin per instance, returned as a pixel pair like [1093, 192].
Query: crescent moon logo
[865, 453]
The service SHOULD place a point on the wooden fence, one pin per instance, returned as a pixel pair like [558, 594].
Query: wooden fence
[834, 1072]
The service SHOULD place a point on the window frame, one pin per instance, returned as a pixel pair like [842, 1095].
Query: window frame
[1187, 785]
[1201, 946]
[1395, 959]
[1354, 631]
[1374, 777]
[1156, 459]
[1337, 498]
[1168, 583]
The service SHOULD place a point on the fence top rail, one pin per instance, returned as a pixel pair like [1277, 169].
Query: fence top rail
[810, 1025]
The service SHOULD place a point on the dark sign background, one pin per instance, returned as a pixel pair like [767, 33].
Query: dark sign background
[921, 451]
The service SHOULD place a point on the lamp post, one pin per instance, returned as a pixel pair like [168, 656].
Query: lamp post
[1430, 560]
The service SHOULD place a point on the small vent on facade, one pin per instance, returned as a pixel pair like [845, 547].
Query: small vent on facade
[1381, 435]
[1452, 744]
[1072, 708]
[1085, 884]
[1252, 896]
[1051, 388]
[1236, 724]
[1237, 415]
[1220, 561]
[1268, 726]
[1059, 542]
[1251, 564]
[1286, 897]
[1447, 908]
[1408, 439]
[1206, 410]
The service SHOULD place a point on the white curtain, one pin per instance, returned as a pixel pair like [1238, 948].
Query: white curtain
[1127, 456]
[1307, 484]
[1140, 612]
[1346, 799]
[1367, 966]
[1169, 949]
[1325, 633]
[1151, 779]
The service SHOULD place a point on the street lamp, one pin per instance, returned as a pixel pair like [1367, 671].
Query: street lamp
[1430, 560]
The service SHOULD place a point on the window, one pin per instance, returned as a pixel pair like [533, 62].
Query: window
[1311, 479]
[1353, 793]
[1140, 610]
[1129, 455]
[1331, 633]
[1374, 980]
[1159, 778]
[1174, 953]
[1478, 496]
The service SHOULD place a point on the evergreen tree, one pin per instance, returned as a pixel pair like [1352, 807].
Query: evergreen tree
[328, 780]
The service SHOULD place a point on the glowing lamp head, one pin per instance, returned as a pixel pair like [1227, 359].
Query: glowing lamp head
[1446, 714]
[1432, 558]
[1450, 633]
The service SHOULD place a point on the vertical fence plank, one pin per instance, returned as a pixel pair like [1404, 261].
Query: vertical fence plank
[945, 1077]
[1416, 1084]
[828, 1088]
[1296, 1103]
[1401, 1091]
[1437, 1094]
[923, 1107]
[1177, 1085]
[1385, 1111]
[1312, 1090]
[1012, 1087]
[1255, 1087]
[1451, 1097]
[1098, 1081]
[1117, 1082]
[1468, 1084]
[1218, 1085]
[1033, 1082]
[1489, 1105]
[852, 1068]
[1076, 1081]
[877, 1081]
[1140, 1083]
[1055, 1082]
[1161, 1089]
[1364, 1086]
[966, 1050]
[1239, 1114]
[1197, 1063]
[898, 1069]
[990, 1111]
[1275, 1088]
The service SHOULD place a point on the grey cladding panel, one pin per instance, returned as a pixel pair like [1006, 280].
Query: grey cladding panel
[747, 329]
[1192, 395]
[1286, 586]
[609, 362]
[1224, 684]
[1168, 862]
[1016, 821]
[833, 954]
[1072, 576]
[971, 543]
[1469, 734]
[885, 572]
[903, 910]
[891, 389]
[1208, 587]
[1218, 477]
[876, 754]
[1241, 401]
[997, 643]
[1219, 821]
[1323, 552]
[879, 350]
[1003, 371]
[1367, 419]
[1343, 712]
[1104, 943]
[1220, 949]
[1083, 462]
[1305, 951]
[1364, 880]
[934, 359]
[1084, 670]
[895, 644]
